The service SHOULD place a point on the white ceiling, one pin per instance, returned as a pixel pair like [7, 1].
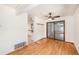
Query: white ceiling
[62, 10]
[41, 10]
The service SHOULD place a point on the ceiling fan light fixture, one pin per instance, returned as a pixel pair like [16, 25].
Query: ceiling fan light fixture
[49, 19]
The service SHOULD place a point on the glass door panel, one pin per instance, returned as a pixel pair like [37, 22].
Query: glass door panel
[59, 30]
[59, 36]
[50, 30]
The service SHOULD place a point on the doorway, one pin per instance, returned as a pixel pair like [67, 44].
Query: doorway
[56, 30]
[30, 30]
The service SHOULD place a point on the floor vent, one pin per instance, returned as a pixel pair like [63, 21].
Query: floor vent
[19, 45]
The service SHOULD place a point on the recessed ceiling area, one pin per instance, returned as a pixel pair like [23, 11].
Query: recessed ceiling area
[41, 10]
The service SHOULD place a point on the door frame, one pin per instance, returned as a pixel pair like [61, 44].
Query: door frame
[54, 29]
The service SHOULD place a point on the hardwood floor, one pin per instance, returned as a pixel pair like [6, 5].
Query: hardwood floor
[47, 47]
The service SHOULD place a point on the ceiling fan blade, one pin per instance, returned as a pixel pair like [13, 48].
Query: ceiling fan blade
[49, 16]
[55, 16]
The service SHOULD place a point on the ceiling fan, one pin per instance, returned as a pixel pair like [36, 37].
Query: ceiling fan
[51, 17]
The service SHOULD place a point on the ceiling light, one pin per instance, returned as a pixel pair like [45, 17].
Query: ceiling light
[49, 19]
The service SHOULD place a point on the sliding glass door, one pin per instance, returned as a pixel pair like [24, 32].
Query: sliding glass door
[50, 30]
[59, 30]
[56, 30]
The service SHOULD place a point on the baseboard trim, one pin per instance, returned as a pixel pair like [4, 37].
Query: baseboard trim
[16, 50]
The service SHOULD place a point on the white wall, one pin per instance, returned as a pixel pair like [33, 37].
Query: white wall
[21, 28]
[12, 29]
[76, 28]
[39, 30]
[69, 29]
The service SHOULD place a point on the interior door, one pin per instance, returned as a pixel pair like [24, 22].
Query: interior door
[56, 30]
[50, 27]
[59, 30]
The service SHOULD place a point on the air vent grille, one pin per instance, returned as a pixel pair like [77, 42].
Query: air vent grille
[19, 45]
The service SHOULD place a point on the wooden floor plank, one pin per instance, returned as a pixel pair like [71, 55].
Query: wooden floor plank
[47, 47]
